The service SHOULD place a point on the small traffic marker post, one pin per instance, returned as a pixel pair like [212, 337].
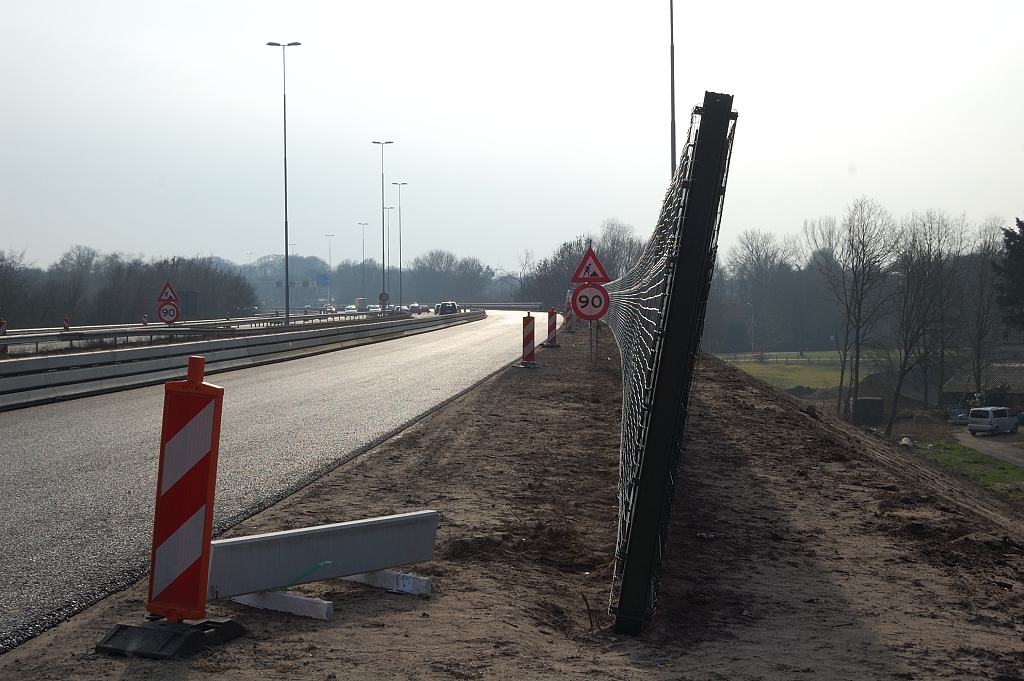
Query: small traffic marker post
[3, 332]
[528, 354]
[552, 340]
[67, 323]
[145, 320]
[182, 527]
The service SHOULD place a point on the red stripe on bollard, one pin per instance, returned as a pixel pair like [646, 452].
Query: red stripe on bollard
[183, 522]
[528, 338]
[552, 323]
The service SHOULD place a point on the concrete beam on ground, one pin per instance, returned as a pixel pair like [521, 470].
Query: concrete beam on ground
[265, 562]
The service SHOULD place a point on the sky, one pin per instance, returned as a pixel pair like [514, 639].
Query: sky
[156, 128]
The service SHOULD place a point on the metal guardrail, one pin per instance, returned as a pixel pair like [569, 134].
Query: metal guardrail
[50, 378]
[504, 306]
[54, 336]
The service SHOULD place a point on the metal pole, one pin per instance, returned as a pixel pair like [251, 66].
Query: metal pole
[399, 185]
[284, 98]
[672, 77]
[388, 288]
[362, 265]
[751, 331]
[383, 226]
[330, 272]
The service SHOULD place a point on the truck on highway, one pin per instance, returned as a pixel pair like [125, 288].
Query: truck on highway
[361, 304]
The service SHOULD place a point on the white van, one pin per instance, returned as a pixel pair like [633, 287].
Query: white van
[993, 420]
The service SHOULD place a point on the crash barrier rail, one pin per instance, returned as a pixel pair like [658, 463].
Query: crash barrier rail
[504, 306]
[656, 312]
[776, 358]
[56, 337]
[38, 380]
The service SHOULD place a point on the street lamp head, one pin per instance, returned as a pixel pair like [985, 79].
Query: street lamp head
[274, 44]
[382, 143]
[292, 44]
[399, 183]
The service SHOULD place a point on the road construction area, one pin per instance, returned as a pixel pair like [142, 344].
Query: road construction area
[799, 547]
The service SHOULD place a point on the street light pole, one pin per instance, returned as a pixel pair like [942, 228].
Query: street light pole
[249, 253]
[284, 92]
[751, 331]
[672, 76]
[383, 228]
[362, 264]
[388, 287]
[330, 272]
[399, 185]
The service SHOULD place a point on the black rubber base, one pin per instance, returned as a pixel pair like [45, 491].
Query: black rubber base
[162, 640]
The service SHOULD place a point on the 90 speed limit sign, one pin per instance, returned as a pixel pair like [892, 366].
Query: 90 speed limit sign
[590, 301]
[169, 313]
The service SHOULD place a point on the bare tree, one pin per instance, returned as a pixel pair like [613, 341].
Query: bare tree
[928, 250]
[14, 286]
[982, 314]
[755, 265]
[852, 258]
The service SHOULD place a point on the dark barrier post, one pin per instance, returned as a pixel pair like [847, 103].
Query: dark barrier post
[688, 285]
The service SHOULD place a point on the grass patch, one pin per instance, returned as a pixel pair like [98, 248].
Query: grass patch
[1001, 477]
[791, 375]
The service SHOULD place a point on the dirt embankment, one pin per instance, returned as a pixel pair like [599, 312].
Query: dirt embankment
[799, 547]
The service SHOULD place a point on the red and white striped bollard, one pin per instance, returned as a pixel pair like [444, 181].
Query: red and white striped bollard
[3, 332]
[528, 360]
[67, 323]
[552, 341]
[183, 522]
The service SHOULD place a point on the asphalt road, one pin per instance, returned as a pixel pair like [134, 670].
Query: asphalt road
[999, 446]
[78, 479]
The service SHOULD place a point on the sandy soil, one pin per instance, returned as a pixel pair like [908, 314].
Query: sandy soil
[799, 548]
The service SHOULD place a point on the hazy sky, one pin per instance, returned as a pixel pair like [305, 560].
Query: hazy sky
[155, 128]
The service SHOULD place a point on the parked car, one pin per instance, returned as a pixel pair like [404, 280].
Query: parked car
[351, 309]
[449, 307]
[993, 420]
[958, 415]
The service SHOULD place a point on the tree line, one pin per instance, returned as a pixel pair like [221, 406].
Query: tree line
[90, 287]
[917, 293]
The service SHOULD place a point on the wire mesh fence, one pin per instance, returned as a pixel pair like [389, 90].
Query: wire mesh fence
[638, 315]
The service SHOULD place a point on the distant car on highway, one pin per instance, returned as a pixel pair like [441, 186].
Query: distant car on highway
[351, 309]
[437, 308]
[373, 309]
[414, 308]
[449, 307]
[993, 420]
[329, 309]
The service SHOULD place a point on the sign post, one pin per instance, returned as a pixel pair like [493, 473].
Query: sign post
[589, 299]
[168, 300]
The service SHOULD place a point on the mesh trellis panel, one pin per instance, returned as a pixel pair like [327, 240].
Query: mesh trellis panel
[639, 306]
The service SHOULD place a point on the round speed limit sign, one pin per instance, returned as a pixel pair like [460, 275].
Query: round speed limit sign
[169, 313]
[590, 301]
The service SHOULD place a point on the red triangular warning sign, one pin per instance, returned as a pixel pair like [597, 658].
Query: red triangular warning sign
[168, 295]
[590, 269]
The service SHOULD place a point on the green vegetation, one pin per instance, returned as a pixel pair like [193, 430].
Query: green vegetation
[783, 375]
[1001, 477]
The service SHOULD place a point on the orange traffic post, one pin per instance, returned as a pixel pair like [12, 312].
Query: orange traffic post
[183, 522]
[528, 355]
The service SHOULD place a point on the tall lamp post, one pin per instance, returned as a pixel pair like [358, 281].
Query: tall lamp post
[388, 231]
[362, 263]
[284, 92]
[383, 228]
[330, 272]
[399, 185]
[249, 253]
[751, 331]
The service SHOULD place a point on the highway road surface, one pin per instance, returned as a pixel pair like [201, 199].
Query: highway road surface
[78, 479]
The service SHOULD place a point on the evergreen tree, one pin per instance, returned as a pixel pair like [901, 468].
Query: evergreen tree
[1010, 269]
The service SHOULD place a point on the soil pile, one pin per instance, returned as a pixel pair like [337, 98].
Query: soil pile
[800, 547]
